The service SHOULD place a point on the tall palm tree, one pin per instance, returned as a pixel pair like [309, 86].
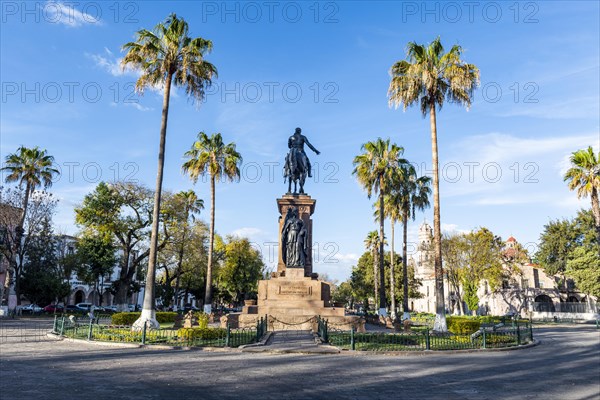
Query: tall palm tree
[413, 194]
[391, 210]
[372, 244]
[164, 56]
[428, 77]
[209, 155]
[33, 168]
[375, 169]
[30, 167]
[584, 176]
[191, 205]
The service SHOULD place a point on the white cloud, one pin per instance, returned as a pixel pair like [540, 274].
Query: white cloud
[248, 232]
[349, 257]
[581, 107]
[452, 228]
[65, 14]
[108, 62]
[139, 107]
[498, 168]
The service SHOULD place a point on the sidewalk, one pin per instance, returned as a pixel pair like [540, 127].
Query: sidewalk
[302, 342]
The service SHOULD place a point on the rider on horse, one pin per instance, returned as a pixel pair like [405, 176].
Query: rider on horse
[297, 154]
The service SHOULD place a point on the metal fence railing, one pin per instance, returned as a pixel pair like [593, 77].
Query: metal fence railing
[90, 329]
[485, 338]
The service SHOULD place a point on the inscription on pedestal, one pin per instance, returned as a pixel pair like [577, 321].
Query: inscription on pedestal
[296, 290]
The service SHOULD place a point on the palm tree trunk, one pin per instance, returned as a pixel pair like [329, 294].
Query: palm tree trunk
[596, 211]
[179, 263]
[178, 272]
[211, 240]
[440, 309]
[15, 267]
[382, 299]
[375, 278]
[148, 310]
[406, 314]
[392, 272]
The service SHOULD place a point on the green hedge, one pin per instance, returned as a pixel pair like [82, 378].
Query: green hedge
[128, 318]
[462, 325]
[201, 333]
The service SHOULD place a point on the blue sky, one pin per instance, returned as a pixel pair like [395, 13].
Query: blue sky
[323, 67]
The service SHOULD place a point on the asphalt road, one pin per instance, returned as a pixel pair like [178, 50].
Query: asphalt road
[566, 365]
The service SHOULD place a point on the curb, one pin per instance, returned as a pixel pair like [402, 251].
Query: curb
[260, 347]
[261, 343]
[426, 353]
[144, 346]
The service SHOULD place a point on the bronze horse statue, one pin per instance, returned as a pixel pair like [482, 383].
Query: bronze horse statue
[297, 165]
[295, 171]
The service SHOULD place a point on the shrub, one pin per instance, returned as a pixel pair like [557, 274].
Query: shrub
[128, 318]
[488, 319]
[462, 325]
[164, 317]
[128, 336]
[125, 318]
[202, 320]
[201, 333]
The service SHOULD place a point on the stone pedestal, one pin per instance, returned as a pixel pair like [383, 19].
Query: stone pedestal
[291, 302]
[294, 296]
[306, 207]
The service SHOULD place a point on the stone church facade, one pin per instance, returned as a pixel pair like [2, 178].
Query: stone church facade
[529, 292]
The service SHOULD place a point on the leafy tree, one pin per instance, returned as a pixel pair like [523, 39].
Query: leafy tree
[42, 281]
[241, 270]
[16, 243]
[209, 155]
[557, 243]
[165, 56]
[361, 280]
[68, 261]
[375, 169]
[471, 258]
[373, 244]
[471, 297]
[96, 254]
[179, 214]
[584, 267]
[192, 272]
[428, 77]
[571, 248]
[343, 293]
[584, 176]
[124, 212]
[32, 168]
[453, 251]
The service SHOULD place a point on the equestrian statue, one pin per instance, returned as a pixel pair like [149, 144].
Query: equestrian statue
[297, 165]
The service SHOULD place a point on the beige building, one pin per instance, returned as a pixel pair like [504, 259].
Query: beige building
[526, 290]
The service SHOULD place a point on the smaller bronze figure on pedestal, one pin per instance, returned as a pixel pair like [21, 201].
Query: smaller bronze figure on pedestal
[294, 240]
[297, 165]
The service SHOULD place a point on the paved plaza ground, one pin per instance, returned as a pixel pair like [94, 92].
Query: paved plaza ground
[566, 365]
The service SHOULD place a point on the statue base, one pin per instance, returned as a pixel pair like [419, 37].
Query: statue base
[292, 302]
[294, 297]
[306, 207]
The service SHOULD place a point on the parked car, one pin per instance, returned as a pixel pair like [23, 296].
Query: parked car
[54, 308]
[134, 307]
[83, 306]
[71, 308]
[31, 309]
[110, 309]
